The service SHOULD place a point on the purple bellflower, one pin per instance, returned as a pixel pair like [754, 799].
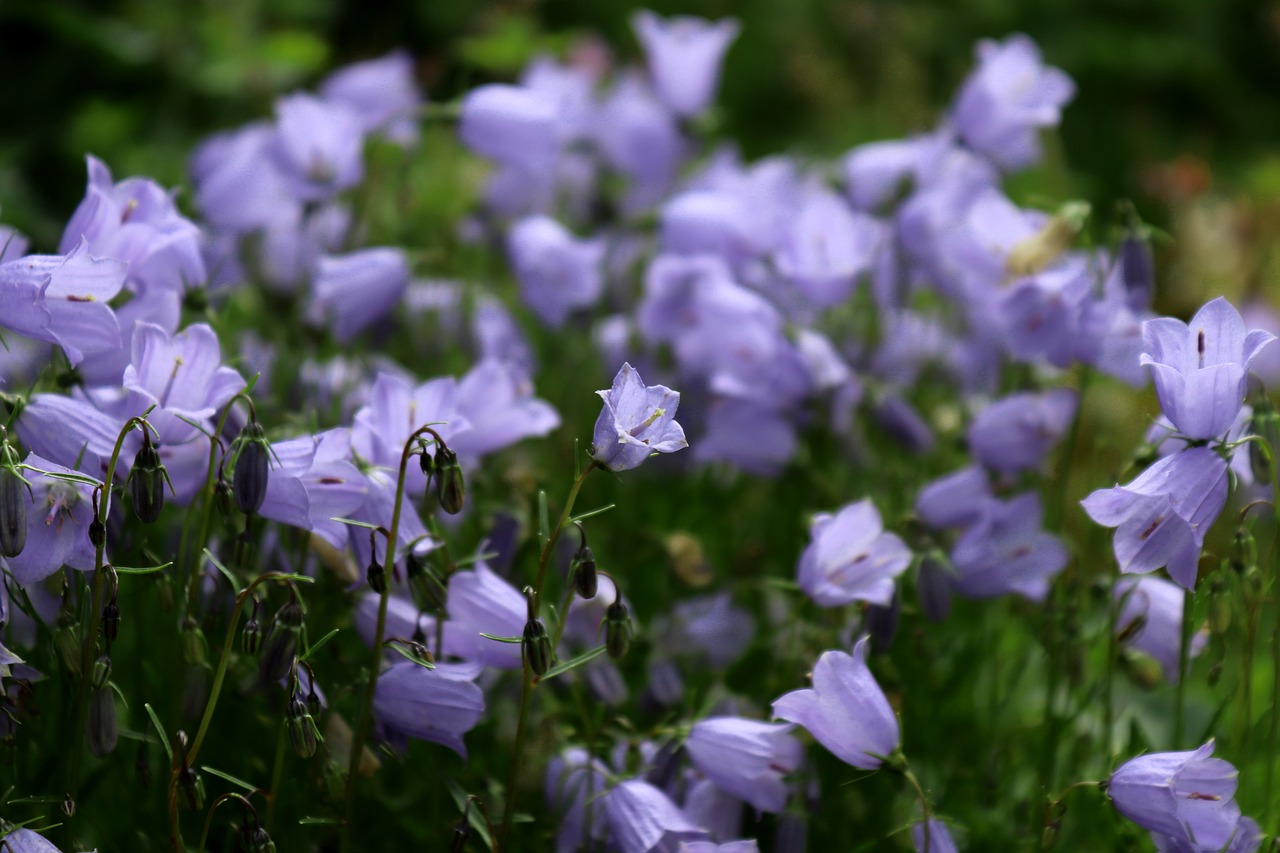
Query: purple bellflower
[573, 778]
[182, 376]
[845, 710]
[497, 400]
[1015, 433]
[940, 840]
[851, 558]
[354, 290]
[314, 483]
[26, 841]
[1158, 603]
[746, 758]
[640, 138]
[438, 705]
[642, 818]
[1186, 796]
[479, 601]
[1200, 368]
[826, 247]
[1007, 98]
[383, 94]
[954, 500]
[557, 272]
[685, 55]
[58, 516]
[239, 186]
[636, 422]
[1163, 515]
[513, 125]
[318, 146]
[62, 299]
[1007, 551]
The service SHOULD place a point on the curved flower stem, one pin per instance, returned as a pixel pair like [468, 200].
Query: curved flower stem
[95, 611]
[924, 807]
[375, 663]
[213, 807]
[526, 686]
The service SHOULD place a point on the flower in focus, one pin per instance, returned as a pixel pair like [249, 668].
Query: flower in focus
[851, 558]
[1199, 368]
[636, 422]
[685, 54]
[439, 705]
[845, 709]
[746, 758]
[1186, 796]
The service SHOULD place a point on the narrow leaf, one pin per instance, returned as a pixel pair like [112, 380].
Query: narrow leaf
[544, 524]
[355, 523]
[318, 643]
[592, 512]
[226, 573]
[574, 663]
[146, 570]
[232, 779]
[502, 639]
[164, 738]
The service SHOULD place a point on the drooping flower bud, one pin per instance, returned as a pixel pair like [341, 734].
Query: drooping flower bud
[13, 503]
[101, 672]
[249, 481]
[451, 488]
[377, 576]
[223, 496]
[1143, 670]
[536, 645]
[617, 629]
[302, 729]
[282, 645]
[111, 619]
[97, 530]
[583, 568]
[1219, 605]
[882, 623]
[251, 633]
[461, 830]
[66, 641]
[102, 729]
[146, 481]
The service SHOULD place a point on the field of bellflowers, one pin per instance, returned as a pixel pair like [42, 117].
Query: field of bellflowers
[544, 467]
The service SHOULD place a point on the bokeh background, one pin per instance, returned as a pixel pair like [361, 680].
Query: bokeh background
[1178, 106]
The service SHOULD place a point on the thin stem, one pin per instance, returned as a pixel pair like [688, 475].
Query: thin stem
[1184, 656]
[366, 705]
[526, 685]
[1113, 655]
[924, 807]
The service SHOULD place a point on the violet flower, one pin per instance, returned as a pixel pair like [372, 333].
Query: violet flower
[318, 146]
[313, 483]
[636, 422]
[479, 601]
[239, 186]
[1187, 796]
[438, 705]
[573, 778]
[356, 289]
[497, 400]
[382, 93]
[685, 54]
[1200, 367]
[556, 271]
[1007, 551]
[845, 710]
[746, 758]
[58, 516]
[642, 818]
[26, 841]
[1158, 603]
[851, 558]
[940, 840]
[513, 125]
[1015, 433]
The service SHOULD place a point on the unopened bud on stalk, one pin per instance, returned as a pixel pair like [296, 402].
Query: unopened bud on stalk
[251, 633]
[375, 574]
[102, 728]
[13, 502]
[223, 496]
[1219, 605]
[536, 645]
[451, 488]
[617, 629]
[583, 568]
[302, 730]
[252, 470]
[146, 481]
[101, 672]
[282, 645]
[111, 619]
[1144, 671]
[97, 530]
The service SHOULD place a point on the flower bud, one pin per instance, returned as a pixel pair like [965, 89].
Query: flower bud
[537, 647]
[1137, 268]
[1219, 605]
[195, 648]
[313, 701]
[111, 620]
[302, 730]
[146, 481]
[223, 496]
[617, 630]
[461, 835]
[191, 786]
[251, 472]
[66, 641]
[1144, 671]
[101, 672]
[102, 728]
[282, 645]
[97, 532]
[256, 839]
[251, 636]
[13, 504]
[583, 569]
[376, 575]
[451, 488]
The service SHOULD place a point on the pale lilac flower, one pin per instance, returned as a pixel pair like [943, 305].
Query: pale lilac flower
[556, 271]
[685, 55]
[748, 434]
[438, 705]
[1007, 99]
[181, 376]
[1158, 603]
[314, 482]
[640, 138]
[1187, 796]
[940, 840]
[851, 558]
[382, 93]
[356, 289]
[1015, 433]
[710, 627]
[480, 601]
[394, 410]
[741, 845]
[845, 710]
[513, 125]
[239, 186]
[954, 500]
[878, 172]
[1008, 551]
[711, 807]
[26, 841]
[746, 757]
[636, 422]
[318, 146]
[826, 247]
[572, 779]
[62, 299]
[1246, 838]
[642, 818]
[58, 516]
[1200, 367]
[497, 400]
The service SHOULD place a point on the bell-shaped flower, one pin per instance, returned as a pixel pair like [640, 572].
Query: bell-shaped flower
[845, 710]
[136, 221]
[746, 758]
[684, 56]
[513, 125]
[314, 482]
[1246, 838]
[748, 434]
[382, 93]
[58, 516]
[573, 779]
[394, 410]
[826, 247]
[480, 601]
[940, 840]
[556, 271]
[1015, 433]
[438, 705]
[1007, 99]
[741, 845]
[497, 401]
[636, 422]
[26, 841]
[62, 299]
[878, 172]
[709, 628]
[640, 138]
[1163, 515]
[354, 290]
[1154, 605]
[642, 818]
[318, 146]
[1187, 796]
[1008, 551]
[1200, 367]
[181, 376]
[851, 558]
[239, 186]
[954, 500]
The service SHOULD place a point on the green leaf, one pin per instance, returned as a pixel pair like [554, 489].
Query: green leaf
[226, 573]
[400, 649]
[127, 570]
[544, 524]
[317, 644]
[59, 475]
[319, 821]
[574, 663]
[213, 771]
[590, 513]
[502, 639]
[475, 816]
[476, 558]
[164, 738]
[354, 523]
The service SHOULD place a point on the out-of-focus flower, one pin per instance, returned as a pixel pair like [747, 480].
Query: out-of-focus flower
[636, 422]
[439, 705]
[513, 125]
[556, 271]
[313, 483]
[318, 146]
[1158, 604]
[851, 558]
[497, 400]
[356, 289]
[1186, 796]
[382, 92]
[1199, 368]
[747, 758]
[58, 516]
[1015, 433]
[642, 818]
[845, 709]
[1007, 551]
[685, 55]
[572, 779]
[1007, 99]
[940, 840]
[480, 601]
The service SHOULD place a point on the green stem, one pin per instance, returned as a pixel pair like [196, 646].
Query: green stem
[924, 807]
[1184, 656]
[375, 663]
[1113, 655]
[526, 686]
